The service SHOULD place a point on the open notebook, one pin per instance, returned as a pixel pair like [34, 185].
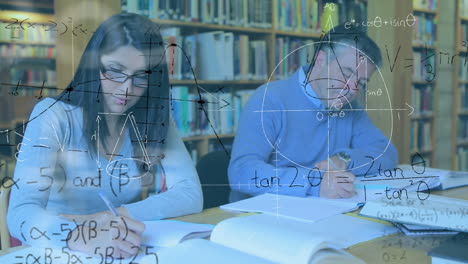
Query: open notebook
[258, 239]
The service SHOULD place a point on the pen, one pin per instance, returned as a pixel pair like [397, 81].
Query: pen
[330, 161]
[108, 203]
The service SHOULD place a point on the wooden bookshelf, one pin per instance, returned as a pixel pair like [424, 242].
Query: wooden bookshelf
[425, 11]
[420, 120]
[206, 82]
[270, 35]
[459, 112]
[7, 15]
[422, 116]
[395, 124]
[20, 42]
[208, 137]
[18, 107]
[422, 47]
[397, 81]
[211, 27]
[296, 34]
[422, 83]
[423, 152]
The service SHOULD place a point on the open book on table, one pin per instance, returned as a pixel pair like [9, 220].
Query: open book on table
[168, 233]
[258, 239]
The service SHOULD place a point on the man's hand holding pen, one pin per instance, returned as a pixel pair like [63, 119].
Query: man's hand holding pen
[336, 182]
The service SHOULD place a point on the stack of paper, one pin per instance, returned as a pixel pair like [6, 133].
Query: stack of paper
[421, 209]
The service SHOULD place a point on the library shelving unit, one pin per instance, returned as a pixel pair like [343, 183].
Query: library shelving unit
[460, 106]
[28, 60]
[422, 127]
[279, 26]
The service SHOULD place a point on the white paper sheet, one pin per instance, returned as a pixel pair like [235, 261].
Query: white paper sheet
[309, 209]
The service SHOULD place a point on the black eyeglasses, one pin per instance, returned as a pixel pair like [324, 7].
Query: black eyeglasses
[138, 80]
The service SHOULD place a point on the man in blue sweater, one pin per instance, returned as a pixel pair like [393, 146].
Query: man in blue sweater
[307, 135]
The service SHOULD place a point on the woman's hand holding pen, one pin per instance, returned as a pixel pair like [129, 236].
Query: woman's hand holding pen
[114, 232]
[116, 236]
[336, 182]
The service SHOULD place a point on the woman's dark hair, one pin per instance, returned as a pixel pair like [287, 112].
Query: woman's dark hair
[151, 112]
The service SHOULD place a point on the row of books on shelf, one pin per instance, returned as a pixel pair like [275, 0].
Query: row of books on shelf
[420, 135]
[462, 159]
[34, 78]
[424, 66]
[290, 54]
[464, 8]
[32, 89]
[424, 30]
[7, 168]
[215, 55]
[244, 13]
[462, 128]
[425, 4]
[221, 111]
[37, 34]
[22, 50]
[311, 16]
[422, 99]
[300, 15]
[463, 97]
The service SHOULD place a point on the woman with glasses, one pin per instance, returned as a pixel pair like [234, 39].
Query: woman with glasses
[106, 141]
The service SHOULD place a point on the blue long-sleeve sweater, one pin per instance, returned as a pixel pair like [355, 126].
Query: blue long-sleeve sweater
[284, 130]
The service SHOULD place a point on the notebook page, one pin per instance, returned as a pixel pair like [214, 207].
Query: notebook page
[332, 256]
[58, 255]
[203, 251]
[168, 233]
[435, 211]
[267, 237]
[348, 230]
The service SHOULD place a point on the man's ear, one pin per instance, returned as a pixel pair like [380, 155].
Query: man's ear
[321, 59]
